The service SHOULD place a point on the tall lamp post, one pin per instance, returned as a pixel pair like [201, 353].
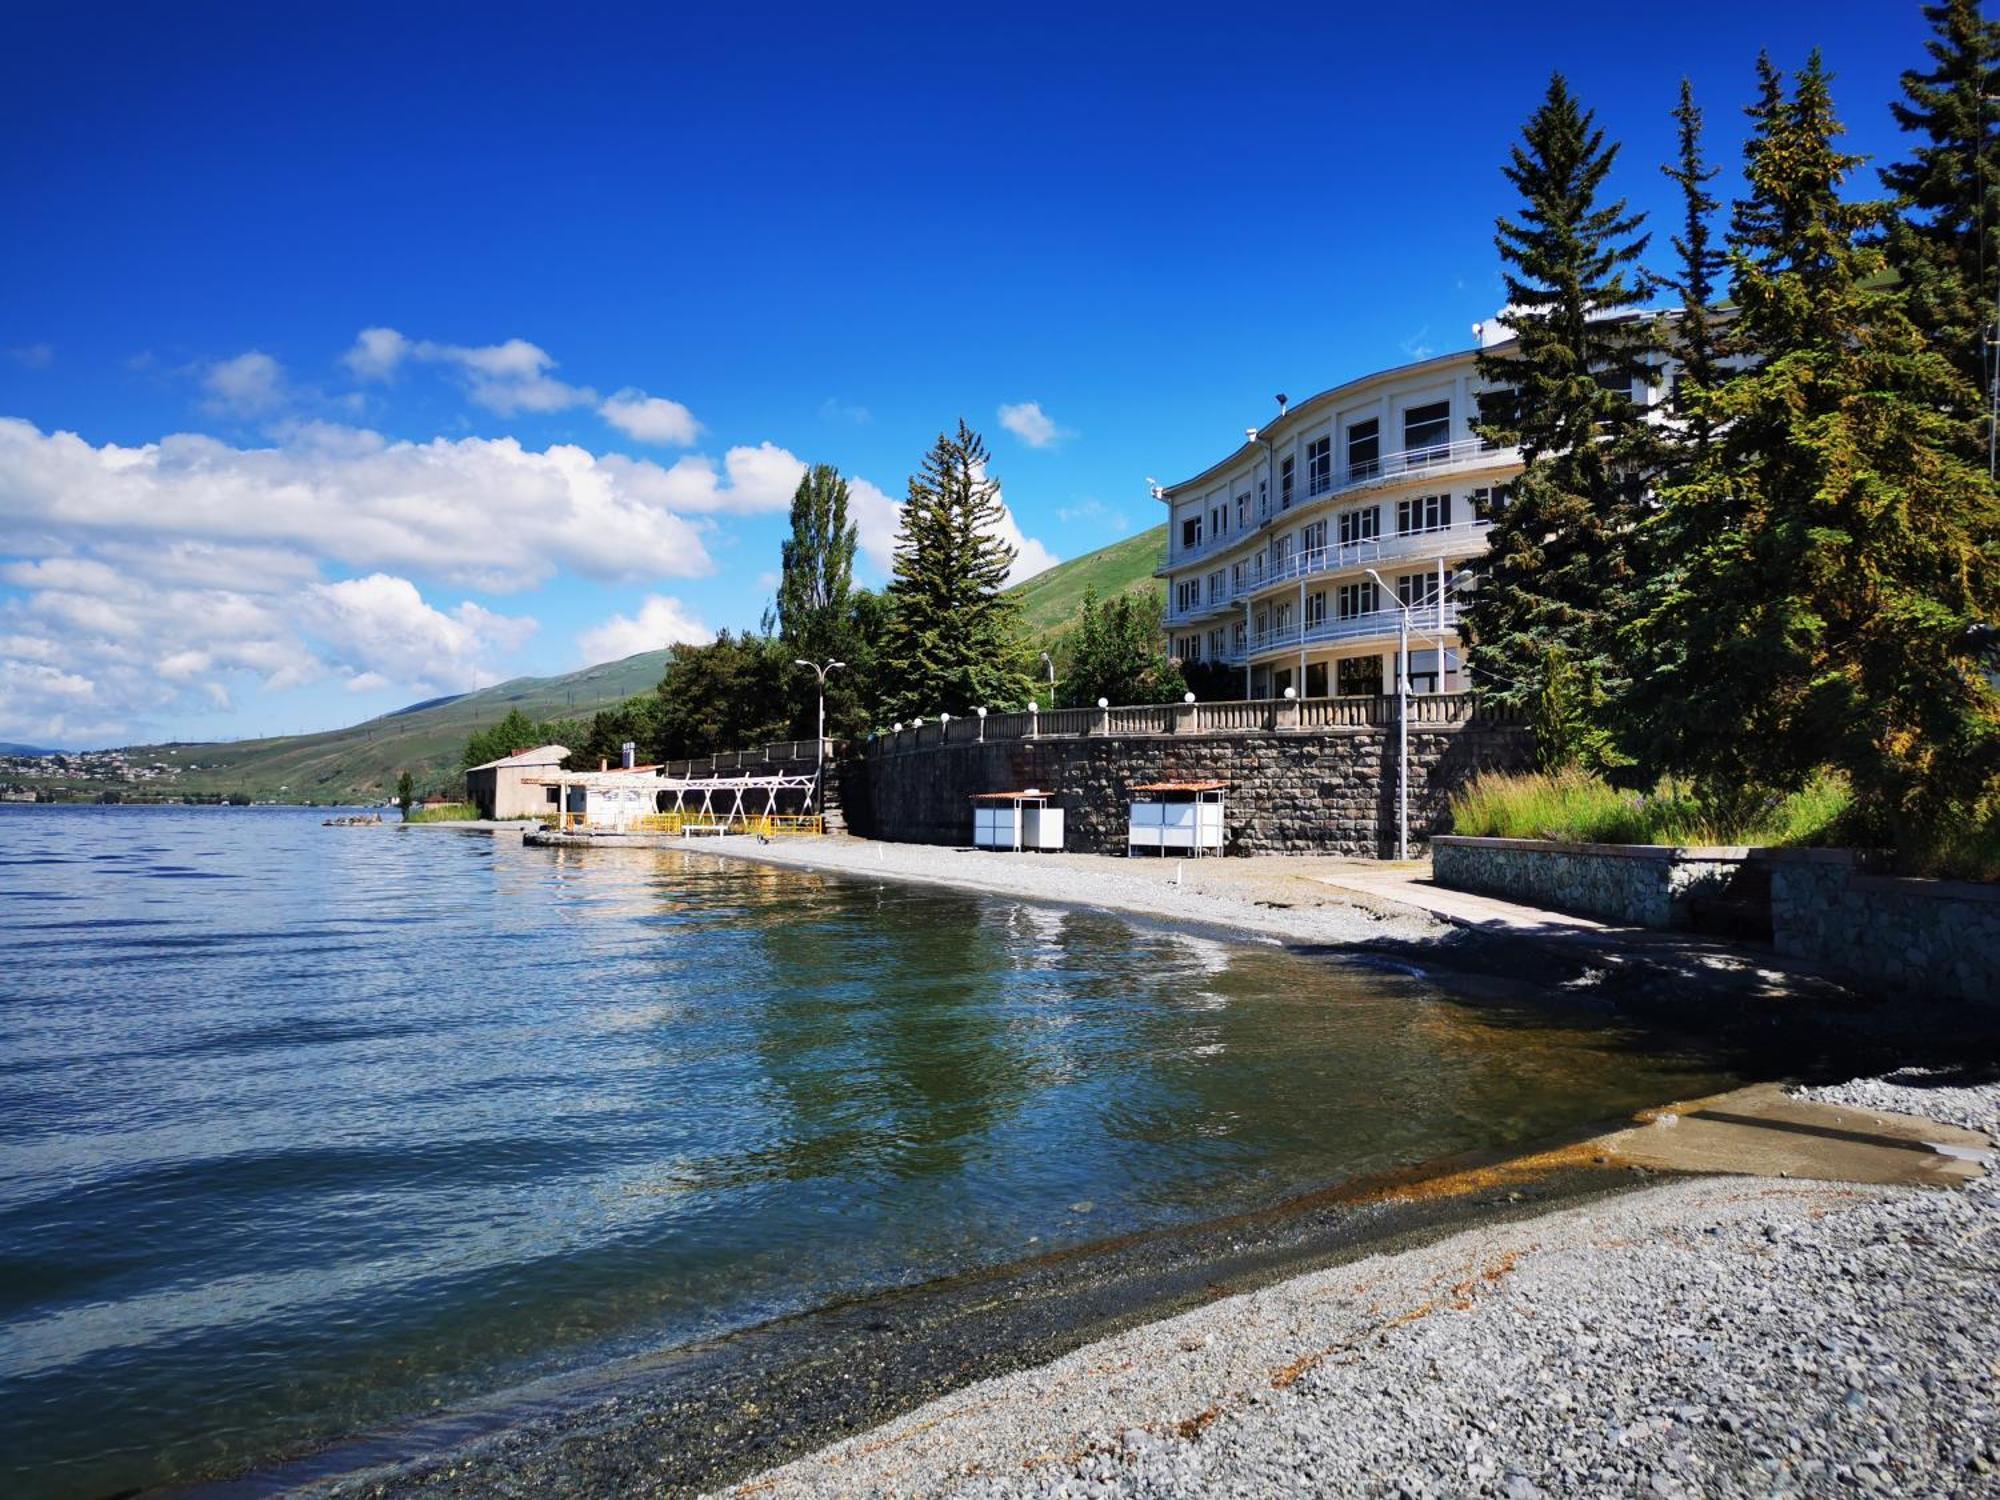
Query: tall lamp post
[1049, 662]
[819, 670]
[1458, 583]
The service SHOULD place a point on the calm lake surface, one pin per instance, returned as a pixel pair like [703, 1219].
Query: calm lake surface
[303, 1129]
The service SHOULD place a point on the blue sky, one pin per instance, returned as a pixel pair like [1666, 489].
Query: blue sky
[349, 356]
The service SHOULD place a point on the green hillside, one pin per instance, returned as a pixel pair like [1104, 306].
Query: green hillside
[1049, 601]
[362, 763]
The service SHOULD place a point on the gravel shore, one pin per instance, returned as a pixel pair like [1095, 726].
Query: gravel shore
[1708, 1337]
[1267, 897]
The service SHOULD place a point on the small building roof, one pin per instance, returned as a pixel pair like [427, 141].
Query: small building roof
[1026, 793]
[1183, 786]
[541, 755]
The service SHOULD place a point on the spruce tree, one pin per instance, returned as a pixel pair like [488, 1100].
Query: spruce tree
[1841, 542]
[1696, 338]
[952, 642]
[1562, 394]
[1945, 248]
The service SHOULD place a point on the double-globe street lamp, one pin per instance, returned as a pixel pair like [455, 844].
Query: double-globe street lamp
[1458, 583]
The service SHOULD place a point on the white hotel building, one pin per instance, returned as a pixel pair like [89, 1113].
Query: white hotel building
[1269, 551]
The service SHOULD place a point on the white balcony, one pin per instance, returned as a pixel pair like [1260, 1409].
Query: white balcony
[1425, 625]
[1467, 455]
[1463, 539]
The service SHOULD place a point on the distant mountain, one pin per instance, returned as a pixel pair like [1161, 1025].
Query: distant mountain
[25, 751]
[362, 763]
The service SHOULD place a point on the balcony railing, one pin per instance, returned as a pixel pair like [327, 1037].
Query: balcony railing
[1439, 460]
[1457, 540]
[1425, 622]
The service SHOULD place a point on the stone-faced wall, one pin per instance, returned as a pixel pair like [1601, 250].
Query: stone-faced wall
[1322, 791]
[1936, 938]
[1650, 886]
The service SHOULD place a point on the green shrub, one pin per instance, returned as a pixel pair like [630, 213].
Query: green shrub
[443, 812]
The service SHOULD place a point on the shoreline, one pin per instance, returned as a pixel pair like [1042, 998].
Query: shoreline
[937, 1361]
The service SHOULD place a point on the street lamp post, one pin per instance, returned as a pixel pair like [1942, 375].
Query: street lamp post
[819, 670]
[1459, 582]
[1049, 662]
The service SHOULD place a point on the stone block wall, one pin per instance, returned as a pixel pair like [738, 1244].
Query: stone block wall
[1936, 938]
[1644, 885]
[1326, 791]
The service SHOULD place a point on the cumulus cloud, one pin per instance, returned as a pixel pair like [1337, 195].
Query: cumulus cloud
[486, 513]
[1033, 426]
[247, 385]
[507, 378]
[750, 481]
[650, 419]
[660, 622]
[380, 625]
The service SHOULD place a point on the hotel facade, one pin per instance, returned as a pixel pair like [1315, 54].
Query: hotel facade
[1273, 554]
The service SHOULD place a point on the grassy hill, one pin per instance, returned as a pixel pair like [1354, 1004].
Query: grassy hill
[1049, 601]
[362, 763]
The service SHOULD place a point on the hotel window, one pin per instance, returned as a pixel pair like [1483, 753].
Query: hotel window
[1313, 538]
[1218, 519]
[1481, 501]
[1281, 552]
[1319, 466]
[1287, 473]
[1356, 599]
[1281, 616]
[1238, 576]
[1364, 450]
[1362, 525]
[1190, 533]
[1315, 609]
[1359, 674]
[1192, 651]
[1215, 643]
[1427, 426]
[1257, 568]
[1187, 594]
[1418, 590]
[1263, 622]
[1263, 498]
[1243, 511]
[1215, 586]
[1315, 679]
[1241, 635]
[1423, 513]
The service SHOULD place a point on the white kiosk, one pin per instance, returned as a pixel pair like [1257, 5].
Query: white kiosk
[1180, 815]
[1030, 819]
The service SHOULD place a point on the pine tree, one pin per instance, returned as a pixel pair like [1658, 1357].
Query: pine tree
[1645, 709]
[1562, 394]
[1945, 248]
[1840, 543]
[952, 643]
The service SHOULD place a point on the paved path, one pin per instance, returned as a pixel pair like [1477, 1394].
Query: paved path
[1408, 884]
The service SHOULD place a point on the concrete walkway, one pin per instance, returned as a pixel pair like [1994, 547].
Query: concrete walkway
[1408, 883]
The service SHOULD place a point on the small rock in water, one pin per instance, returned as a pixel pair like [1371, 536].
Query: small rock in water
[1082, 1206]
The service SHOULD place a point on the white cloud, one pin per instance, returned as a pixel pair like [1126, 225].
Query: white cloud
[1033, 426]
[381, 625]
[661, 622]
[650, 419]
[833, 409]
[482, 512]
[751, 480]
[507, 378]
[244, 386]
[876, 518]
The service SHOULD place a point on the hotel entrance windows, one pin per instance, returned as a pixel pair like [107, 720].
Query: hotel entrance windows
[1315, 679]
[1355, 675]
[1364, 450]
[1426, 428]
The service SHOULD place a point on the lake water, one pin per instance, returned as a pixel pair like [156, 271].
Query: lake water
[303, 1129]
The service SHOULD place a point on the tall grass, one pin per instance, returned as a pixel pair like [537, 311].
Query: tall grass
[443, 812]
[1577, 808]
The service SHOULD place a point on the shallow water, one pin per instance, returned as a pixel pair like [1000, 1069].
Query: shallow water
[303, 1129]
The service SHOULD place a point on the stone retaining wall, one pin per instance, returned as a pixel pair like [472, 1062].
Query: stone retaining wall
[1937, 938]
[1290, 791]
[1647, 885]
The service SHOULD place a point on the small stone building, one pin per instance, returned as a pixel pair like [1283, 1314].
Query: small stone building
[510, 788]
